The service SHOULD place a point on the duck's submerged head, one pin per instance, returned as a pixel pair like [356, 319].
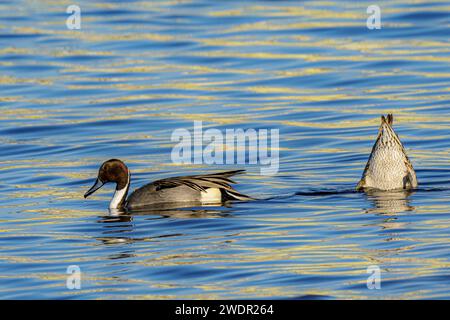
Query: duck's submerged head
[113, 170]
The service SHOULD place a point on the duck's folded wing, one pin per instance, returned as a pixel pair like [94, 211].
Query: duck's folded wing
[202, 182]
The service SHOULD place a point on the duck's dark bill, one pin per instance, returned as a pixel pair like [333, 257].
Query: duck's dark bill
[98, 184]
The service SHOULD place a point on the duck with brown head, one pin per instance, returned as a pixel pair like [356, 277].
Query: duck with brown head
[171, 192]
[117, 172]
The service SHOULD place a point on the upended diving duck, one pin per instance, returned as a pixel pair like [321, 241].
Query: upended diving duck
[205, 189]
[388, 167]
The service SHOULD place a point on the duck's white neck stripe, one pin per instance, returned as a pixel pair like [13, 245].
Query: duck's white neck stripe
[119, 195]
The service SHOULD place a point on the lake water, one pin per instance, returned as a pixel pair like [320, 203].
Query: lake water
[137, 71]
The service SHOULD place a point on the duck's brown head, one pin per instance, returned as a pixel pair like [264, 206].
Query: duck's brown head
[113, 170]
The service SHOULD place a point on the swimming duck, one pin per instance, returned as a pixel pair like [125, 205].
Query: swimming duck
[198, 189]
[388, 167]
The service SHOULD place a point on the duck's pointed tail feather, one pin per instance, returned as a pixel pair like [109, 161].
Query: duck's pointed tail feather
[235, 195]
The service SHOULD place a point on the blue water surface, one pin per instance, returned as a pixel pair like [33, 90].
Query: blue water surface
[136, 71]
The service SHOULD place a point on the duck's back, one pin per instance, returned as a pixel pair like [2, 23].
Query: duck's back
[151, 194]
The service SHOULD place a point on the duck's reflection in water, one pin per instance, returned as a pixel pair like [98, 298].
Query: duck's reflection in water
[119, 224]
[389, 202]
[389, 207]
[171, 210]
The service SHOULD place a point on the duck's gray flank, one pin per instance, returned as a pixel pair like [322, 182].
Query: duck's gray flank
[208, 188]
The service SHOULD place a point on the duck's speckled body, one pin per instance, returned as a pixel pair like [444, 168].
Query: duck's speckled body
[388, 167]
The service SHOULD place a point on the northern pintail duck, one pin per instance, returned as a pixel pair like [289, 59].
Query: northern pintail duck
[388, 167]
[196, 190]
